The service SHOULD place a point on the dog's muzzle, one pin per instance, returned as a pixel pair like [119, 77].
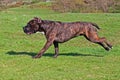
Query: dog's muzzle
[28, 31]
[25, 31]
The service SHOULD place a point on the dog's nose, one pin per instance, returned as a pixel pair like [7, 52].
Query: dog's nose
[24, 29]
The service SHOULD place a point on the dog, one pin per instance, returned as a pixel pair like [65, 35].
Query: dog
[58, 32]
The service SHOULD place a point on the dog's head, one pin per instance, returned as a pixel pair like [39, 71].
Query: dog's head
[32, 26]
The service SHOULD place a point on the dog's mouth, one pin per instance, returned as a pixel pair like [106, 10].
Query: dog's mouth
[29, 33]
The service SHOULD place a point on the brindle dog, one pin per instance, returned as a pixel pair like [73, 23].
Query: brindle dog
[59, 32]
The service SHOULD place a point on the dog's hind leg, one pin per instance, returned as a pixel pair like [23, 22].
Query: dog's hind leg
[107, 43]
[93, 37]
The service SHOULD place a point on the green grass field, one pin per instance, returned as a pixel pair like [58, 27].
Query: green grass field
[79, 59]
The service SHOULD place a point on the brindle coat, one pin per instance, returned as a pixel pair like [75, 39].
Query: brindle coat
[59, 32]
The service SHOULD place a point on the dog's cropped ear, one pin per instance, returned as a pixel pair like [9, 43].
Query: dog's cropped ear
[37, 19]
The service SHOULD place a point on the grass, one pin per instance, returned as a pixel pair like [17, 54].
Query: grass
[79, 59]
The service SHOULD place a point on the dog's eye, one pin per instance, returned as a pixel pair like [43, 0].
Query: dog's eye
[32, 23]
[28, 24]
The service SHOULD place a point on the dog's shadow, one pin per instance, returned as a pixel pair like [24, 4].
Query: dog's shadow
[51, 54]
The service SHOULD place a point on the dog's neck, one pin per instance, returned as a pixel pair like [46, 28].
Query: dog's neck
[45, 26]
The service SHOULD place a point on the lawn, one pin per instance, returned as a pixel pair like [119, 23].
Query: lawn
[79, 59]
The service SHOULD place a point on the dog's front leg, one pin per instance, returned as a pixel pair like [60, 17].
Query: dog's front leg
[47, 45]
[56, 49]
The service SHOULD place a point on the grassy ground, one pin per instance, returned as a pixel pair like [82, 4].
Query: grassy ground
[79, 59]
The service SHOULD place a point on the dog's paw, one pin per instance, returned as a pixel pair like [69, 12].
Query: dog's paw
[35, 57]
[107, 49]
[55, 56]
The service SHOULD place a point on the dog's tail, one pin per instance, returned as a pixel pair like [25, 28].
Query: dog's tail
[94, 24]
